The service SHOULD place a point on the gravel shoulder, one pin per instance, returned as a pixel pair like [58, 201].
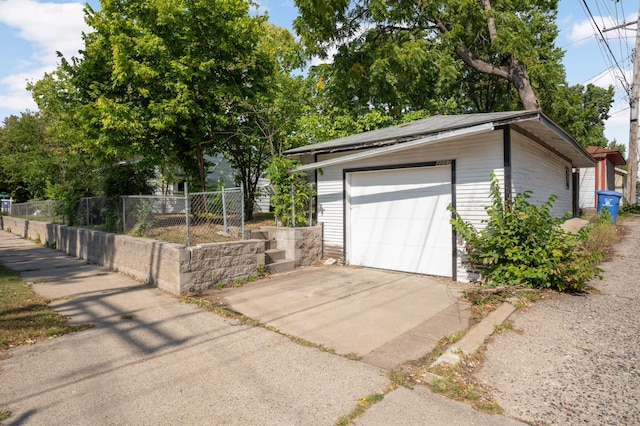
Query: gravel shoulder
[576, 359]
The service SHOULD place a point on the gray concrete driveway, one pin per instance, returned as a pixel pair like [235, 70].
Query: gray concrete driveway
[386, 317]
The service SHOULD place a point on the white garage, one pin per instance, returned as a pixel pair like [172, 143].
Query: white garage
[398, 219]
[382, 195]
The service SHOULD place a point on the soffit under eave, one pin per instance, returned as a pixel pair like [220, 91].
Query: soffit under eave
[562, 144]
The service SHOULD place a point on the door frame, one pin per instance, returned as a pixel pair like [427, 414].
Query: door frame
[439, 163]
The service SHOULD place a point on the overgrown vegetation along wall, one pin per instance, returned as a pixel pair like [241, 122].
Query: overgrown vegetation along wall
[171, 267]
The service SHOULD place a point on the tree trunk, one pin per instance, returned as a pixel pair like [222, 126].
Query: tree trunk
[519, 77]
[514, 72]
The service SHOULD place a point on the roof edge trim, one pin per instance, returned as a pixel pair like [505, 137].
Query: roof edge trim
[487, 127]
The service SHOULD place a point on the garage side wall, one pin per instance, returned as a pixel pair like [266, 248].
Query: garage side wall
[539, 170]
[476, 157]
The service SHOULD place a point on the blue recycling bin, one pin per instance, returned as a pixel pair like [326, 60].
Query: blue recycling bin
[610, 200]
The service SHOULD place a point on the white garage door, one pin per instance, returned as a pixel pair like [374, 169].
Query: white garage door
[398, 219]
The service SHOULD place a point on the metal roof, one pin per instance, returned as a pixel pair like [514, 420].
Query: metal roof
[535, 123]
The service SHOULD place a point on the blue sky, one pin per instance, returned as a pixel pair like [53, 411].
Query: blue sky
[31, 31]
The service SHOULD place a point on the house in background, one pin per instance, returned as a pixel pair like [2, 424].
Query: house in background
[382, 195]
[621, 180]
[219, 171]
[603, 177]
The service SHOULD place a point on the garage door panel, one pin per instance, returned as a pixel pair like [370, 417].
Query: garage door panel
[398, 220]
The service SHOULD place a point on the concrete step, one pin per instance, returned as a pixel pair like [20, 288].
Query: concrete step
[270, 244]
[259, 235]
[280, 266]
[273, 255]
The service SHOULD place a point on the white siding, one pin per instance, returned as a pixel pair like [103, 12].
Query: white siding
[587, 188]
[537, 169]
[476, 158]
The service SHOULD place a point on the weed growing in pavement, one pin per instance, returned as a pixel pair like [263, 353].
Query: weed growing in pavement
[363, 405]
[457, 382]
[4, 414]
[398, 378]
[504, 326]
[451, 339]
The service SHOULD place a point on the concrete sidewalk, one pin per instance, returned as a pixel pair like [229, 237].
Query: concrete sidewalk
[152, 360]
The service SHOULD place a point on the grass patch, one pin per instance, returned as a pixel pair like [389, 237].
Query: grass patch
[363, 405]
[25, 318]
[457, 382]
[4, 414]
[127, 317]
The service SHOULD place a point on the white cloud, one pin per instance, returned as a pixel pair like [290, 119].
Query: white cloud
[612, 77]
[586, 30]
[18, 101]
[15, 95]
[49, 27]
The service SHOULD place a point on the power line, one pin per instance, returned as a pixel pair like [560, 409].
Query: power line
[626, 85]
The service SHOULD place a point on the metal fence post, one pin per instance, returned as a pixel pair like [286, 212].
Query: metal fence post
[293, 206]
[224, 211]
[124, 213]
[242, 211]
[310, 211]
[187, 212]
[87, 207]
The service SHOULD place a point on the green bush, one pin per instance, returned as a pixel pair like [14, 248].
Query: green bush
[292, 192]
[523, 244]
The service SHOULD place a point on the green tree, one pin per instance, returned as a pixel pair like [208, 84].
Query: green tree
[620, 147]
[29, 157]
[412, 55]
[65, 122]
[258, 122]
[582, 111]
[155, 77]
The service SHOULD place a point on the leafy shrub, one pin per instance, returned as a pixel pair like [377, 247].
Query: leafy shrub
[292, 192]
[523, 244]
[144, 219]
[629, 209]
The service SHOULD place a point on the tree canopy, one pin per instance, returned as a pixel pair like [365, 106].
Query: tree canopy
[164, 83]
[157, 76]
[443, 57]
[424, 48]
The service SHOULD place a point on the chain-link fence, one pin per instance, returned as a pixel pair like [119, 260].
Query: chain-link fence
[97, 212]
[197, 218]
[42, 211]
[191, 219]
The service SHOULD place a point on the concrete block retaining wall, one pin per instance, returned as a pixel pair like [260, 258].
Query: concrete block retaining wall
[302, 244]
[171, 267]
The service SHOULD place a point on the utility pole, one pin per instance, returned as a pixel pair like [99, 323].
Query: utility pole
[633, 127]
